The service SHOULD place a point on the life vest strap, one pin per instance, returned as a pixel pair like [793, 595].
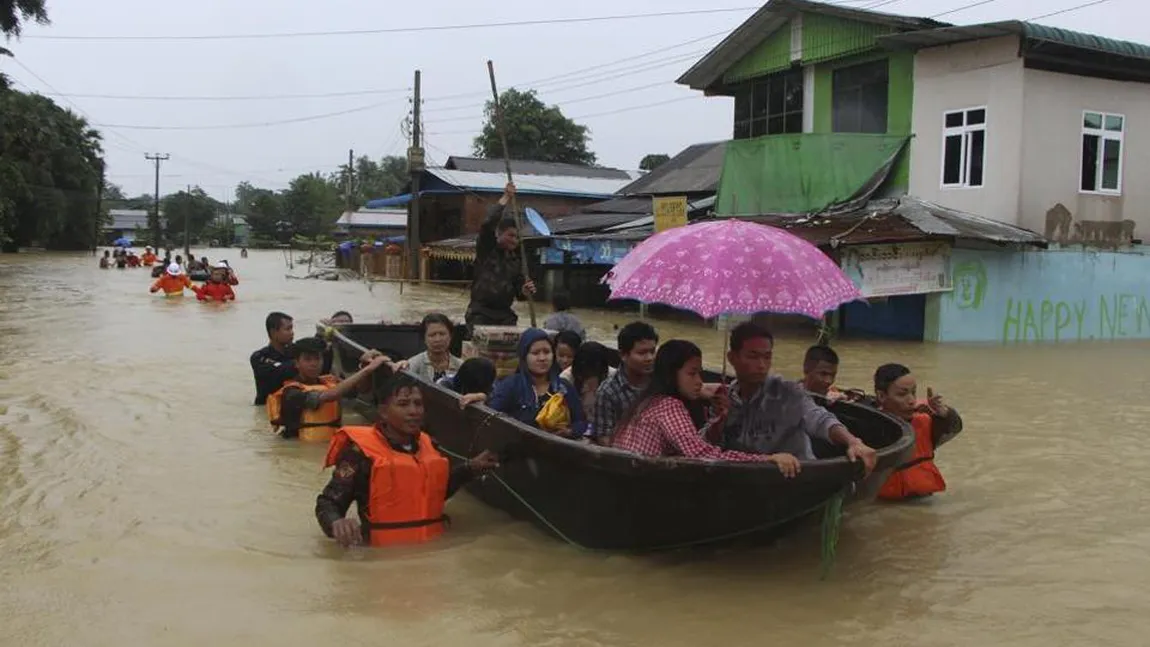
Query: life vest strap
[334, 423]
[918, 461]
[401, 525]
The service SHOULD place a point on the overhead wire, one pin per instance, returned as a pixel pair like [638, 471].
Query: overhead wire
[390, 30]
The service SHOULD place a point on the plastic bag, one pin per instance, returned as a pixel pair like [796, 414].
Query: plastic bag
[554, 414]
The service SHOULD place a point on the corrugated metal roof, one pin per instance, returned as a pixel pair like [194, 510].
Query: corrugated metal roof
[900, 219]
[696, 169]
[376, 218]
[771, 17]
[1028, 30]
[532, 167]
[123, 219]
[619, 205]
[586, 187]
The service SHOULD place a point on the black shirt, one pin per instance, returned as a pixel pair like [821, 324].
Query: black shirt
[351, 482]
[271, 369]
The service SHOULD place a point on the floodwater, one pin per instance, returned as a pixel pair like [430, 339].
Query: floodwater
[143, 501]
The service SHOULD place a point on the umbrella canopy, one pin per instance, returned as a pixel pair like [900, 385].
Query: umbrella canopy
[731, 267]
[122, 242]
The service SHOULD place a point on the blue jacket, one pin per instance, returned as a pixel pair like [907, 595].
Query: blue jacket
[514, 395]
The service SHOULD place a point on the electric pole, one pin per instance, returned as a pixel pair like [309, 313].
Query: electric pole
[350, 172]
[415, 165]
[187, 240]
[155, 219]
[99, 208]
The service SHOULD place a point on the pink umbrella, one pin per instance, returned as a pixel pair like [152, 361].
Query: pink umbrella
[731, 267]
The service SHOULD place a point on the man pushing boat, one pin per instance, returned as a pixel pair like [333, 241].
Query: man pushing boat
[498, 273]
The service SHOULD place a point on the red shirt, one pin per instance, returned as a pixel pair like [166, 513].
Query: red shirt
[215, 292]
[664, 428]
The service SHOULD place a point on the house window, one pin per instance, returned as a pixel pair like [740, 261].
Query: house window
[1102, 152]
[859, 98]
[770, 105]
[964, 148]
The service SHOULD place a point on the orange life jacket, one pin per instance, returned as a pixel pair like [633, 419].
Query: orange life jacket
[918, 476]
[316, 425]
[148, 259]
[406, 492]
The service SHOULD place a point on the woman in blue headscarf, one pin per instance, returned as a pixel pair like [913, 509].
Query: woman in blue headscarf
[522, 395]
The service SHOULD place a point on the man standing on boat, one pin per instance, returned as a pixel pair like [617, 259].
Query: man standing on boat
[770, 415]
[498, 270]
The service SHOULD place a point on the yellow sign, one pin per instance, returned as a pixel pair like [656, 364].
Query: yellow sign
[669, 212]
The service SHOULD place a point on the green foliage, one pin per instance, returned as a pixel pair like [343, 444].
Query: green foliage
[653, 161]
[192, 209]
[15, 13]
[312, 204]
[50, 167]
[371, 179]
[535, 131]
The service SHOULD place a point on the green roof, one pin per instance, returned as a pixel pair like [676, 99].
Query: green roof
[1082, 40]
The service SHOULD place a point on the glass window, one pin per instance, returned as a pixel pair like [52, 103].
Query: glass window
[964, 148]
[1102, 135]
[859, 98]
[770, 105]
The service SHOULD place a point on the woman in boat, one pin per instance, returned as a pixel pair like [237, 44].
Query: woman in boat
[396, 475]
[934, 423]
[473, 381]
[670, 417]
[437, 361]
[524, 393]
[591, 367]
[567, 344]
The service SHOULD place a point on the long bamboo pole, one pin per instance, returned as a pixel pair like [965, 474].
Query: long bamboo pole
[514, 204]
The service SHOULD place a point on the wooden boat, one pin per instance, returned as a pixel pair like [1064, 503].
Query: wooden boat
[604, 498]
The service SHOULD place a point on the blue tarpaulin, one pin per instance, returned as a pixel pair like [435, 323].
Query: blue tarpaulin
[393, 201]
[588, 252]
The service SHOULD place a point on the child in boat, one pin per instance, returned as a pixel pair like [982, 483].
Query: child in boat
[524, 393]
[473, 381]
[669, 417]
[172, 282]
[308, 407]
[562, 319]
[934, 423]
[437, 361]
[216, 288]
[567, 344]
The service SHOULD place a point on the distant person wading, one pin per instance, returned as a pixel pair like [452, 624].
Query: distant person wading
[498, 271]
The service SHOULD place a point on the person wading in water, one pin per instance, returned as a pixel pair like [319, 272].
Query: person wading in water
[498, 270]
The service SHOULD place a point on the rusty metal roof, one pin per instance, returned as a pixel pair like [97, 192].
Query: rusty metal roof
[696, 169]
[899, 219]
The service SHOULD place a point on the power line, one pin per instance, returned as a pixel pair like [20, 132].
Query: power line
[597, 114]
[1069, 9]
[261, 124]
[395, 30]
[253, 97]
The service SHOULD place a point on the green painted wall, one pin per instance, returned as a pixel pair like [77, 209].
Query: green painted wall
[828, 37]
[771, 55]
[900, 100]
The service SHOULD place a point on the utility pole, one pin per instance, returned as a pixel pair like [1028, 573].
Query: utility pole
[157, 158]
[187, 240]
[350, 172]
[99, 208]
[415, 165]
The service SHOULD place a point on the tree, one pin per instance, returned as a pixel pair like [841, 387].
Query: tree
[535, 131]
[372, 180]
[312, 204]
[50, 163]
[13, 15]
[653, 161]
[194, 209]
[114, 193]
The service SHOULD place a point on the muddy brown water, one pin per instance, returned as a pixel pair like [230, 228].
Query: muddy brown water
[143, 501]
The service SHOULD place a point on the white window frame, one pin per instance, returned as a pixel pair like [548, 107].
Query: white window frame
[1103, 135]
[964, 160]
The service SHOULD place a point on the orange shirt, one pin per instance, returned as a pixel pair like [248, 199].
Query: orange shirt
[172, 285]
[148, 259]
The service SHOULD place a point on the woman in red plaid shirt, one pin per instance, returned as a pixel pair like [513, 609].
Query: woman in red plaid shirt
[669, 419]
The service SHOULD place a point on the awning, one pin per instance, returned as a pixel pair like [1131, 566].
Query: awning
[393, 201]
[804, 173]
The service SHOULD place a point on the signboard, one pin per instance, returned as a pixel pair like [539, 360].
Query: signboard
[891, 270]
[669, 212]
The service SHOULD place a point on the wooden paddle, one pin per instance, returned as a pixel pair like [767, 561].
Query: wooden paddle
[498, 114]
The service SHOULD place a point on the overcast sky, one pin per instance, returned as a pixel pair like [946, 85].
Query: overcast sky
[452, 62]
